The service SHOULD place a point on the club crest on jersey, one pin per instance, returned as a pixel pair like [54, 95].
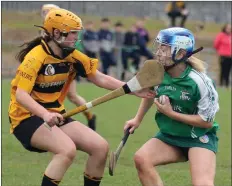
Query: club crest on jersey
[184, 95]
[204, 139]
[49, 70]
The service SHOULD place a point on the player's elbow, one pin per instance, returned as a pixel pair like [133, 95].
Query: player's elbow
[206, 124]
[209, 125]
[20, 94]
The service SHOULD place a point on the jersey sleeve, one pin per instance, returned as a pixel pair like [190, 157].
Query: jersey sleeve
[208, 102]
[83, 65]
[27, 72]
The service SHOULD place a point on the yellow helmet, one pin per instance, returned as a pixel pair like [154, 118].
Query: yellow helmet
[46, 8]
[63, 20]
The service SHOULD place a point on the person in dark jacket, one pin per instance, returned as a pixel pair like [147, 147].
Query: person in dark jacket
[119, 40]
[130, 50]
[90, 40]
[143, 33]
[106, 39]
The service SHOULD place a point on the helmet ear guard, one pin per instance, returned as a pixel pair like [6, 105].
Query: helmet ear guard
[184, 58]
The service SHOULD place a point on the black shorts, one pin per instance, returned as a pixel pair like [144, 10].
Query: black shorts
[24, 131]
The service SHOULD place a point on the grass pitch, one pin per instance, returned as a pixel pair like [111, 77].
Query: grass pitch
[23, 168]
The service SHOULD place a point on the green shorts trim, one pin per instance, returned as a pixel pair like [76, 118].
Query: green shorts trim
[208, 141]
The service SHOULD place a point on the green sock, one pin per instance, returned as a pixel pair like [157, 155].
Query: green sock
[91, 181]
[49, 181]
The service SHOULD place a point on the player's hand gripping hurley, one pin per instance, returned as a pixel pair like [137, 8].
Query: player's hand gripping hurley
[115, 155]
[149, 75]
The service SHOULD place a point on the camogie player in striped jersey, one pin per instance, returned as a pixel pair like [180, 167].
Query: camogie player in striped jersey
[186, 108]
[72, 92]
[49, 64]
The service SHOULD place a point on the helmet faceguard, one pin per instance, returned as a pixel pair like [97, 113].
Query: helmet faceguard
[162, 52]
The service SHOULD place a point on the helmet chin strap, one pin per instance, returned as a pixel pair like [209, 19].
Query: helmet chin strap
[184, 58]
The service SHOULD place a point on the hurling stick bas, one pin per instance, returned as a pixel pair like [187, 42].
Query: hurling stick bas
[115, 155]
[112, 163]
[151, 74]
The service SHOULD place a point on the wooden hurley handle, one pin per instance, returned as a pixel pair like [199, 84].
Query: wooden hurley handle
[122, 143]
[75, 111]
[111, 95]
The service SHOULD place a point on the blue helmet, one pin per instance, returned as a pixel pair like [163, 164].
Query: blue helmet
[177, 38]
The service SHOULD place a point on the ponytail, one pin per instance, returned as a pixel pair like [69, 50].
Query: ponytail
[197, 64]
[28, 46]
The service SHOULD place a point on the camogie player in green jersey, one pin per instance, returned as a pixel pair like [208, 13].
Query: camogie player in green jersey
[185, 114]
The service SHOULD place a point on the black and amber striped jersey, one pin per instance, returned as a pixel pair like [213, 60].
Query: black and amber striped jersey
[46, 77]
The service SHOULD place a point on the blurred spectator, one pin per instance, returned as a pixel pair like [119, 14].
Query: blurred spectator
[144, 39]
[44, 11]
[222, 44]
[46, 8]
[177, 9]
[130, 50]
[119, 40]
[106, 39]
[90, 40]
[119, 34]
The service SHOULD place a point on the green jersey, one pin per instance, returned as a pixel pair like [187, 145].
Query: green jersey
[191, 93]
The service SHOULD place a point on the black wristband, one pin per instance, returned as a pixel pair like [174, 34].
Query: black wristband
[126, 89]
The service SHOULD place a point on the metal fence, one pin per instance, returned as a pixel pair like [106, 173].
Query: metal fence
[214, 11]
